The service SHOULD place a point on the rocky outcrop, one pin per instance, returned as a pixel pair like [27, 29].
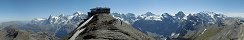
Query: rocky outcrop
[13, 33]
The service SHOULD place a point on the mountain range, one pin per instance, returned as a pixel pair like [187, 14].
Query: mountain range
[198, 26]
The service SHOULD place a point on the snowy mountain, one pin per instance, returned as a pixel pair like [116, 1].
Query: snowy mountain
[167, 25]
[61, 19]
[63, 24]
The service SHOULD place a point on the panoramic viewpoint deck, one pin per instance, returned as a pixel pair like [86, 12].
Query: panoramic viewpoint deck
[98, 10]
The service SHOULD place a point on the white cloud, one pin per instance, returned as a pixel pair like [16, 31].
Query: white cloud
[234, 14]
[2, 19]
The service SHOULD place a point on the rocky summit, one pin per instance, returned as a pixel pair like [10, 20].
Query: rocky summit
[104, 26]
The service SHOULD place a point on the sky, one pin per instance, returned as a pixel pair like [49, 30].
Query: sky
[21, 10]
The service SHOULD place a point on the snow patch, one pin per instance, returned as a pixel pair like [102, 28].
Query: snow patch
[156, 17]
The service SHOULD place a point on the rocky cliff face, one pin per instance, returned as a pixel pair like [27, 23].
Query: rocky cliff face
[104, 26]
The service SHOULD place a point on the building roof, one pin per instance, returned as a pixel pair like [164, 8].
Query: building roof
[103, 8]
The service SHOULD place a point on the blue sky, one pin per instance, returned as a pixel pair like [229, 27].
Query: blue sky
[11, 10]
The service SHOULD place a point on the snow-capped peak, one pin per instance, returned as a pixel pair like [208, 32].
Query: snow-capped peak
[64, 19]
[180, 15]
[77, 13]
[166, 15]
[148, 14]
[62, 15]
